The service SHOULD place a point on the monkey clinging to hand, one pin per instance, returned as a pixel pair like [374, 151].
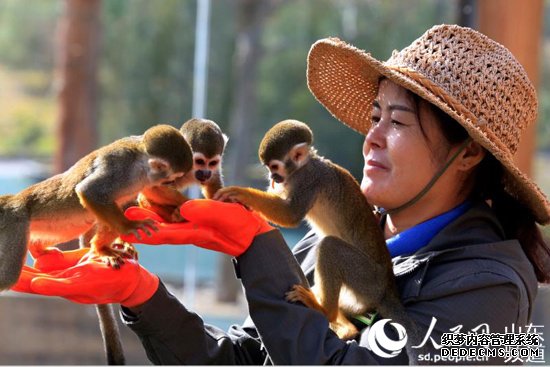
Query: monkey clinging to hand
[207, 142]
[87, 199]
[352, 254]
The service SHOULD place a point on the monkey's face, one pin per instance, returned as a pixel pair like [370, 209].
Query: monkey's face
[204, 168]
[281, 169]
[277, 171]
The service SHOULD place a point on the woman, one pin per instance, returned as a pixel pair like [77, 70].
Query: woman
[442, 119]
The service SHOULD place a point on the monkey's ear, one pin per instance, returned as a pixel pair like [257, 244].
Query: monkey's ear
[158, 164]
[225, 138]
[299, 153]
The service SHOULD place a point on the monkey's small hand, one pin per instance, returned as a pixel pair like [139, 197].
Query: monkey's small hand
[176, 216]
[224, 227]
[117, 253]
[91, 281]
[232, 194]
[306, 296]
[137, 227]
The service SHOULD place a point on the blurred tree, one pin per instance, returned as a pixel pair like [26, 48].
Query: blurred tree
[543, 125]
[25, 33]
[147, 65]
[523, 40]
[146, 62]
[251, 17]
[76, 64]
[27, 103]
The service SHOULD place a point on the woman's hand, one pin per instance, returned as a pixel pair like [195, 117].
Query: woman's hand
[225, 227]
[80, 276]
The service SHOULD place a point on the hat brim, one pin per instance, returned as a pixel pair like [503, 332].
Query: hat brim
[345, 80]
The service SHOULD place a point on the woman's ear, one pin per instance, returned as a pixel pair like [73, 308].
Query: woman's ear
[471, 156]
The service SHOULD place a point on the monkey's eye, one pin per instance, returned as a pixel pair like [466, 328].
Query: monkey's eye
[199, 161]
[213, 164]
[274, 167]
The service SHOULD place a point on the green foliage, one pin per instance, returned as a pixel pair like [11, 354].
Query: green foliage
[145, 76]
[28, 130]
[297, 25]
[147, 56]
[146, 72]
[27, 33]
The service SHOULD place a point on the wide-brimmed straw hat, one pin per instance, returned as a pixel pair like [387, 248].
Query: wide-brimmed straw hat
[472, 78]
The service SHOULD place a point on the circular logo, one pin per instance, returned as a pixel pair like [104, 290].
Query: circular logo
[381, 344]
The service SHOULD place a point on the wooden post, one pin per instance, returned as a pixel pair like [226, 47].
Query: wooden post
[76, 66]
[517, 24]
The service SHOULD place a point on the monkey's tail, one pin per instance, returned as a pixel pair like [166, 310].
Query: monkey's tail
[14, 234]
[394, 309]
[111, 335]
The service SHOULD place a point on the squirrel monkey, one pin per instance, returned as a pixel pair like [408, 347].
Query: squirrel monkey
[87, 198]
[207, 142]
[352, 254]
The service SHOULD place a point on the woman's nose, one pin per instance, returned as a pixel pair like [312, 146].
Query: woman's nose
[375, 137]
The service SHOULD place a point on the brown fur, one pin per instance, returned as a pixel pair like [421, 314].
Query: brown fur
[86, 201]
[352, 254]
[92, 191]
[205, 137]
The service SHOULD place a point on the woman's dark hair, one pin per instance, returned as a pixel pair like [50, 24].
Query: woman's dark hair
[516, 219]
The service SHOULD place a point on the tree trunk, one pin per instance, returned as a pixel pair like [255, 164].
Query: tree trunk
[77, 35]
[76, 67]
[517, 24]
[251, 15]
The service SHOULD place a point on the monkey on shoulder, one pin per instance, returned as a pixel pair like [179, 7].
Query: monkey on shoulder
[207, 142]
[352, 252]
[87, 199]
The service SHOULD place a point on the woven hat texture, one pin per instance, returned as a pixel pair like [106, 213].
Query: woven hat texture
[472, 78]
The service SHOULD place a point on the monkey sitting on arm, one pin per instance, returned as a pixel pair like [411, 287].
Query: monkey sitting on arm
[207, 142]
[87, 199]
[352, 254]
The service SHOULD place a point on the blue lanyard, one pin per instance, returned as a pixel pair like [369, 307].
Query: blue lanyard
[412, 239]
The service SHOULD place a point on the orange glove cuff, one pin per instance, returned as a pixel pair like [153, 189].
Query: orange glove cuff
[147, 286]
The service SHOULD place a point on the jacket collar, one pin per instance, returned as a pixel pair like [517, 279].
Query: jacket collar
[477, 234]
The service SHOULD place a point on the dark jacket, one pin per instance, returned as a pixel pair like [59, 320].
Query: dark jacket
[467, 278]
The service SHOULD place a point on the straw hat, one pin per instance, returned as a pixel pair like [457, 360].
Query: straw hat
[472, 78]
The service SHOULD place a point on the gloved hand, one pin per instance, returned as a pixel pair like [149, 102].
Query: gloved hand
[225, 227]
[80, 276]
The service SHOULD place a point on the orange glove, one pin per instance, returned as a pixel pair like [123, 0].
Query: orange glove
[80, 276]
[225, 227]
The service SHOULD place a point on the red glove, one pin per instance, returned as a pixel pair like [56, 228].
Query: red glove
[80, 276]
[225, 227]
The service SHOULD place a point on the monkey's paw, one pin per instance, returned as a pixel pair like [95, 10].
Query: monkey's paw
[176, 216]
[115, 254]
[344, 329]
[302, 294]
[231, 194]
[136, 227]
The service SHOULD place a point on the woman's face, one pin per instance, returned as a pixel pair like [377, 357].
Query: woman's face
[401, 154]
